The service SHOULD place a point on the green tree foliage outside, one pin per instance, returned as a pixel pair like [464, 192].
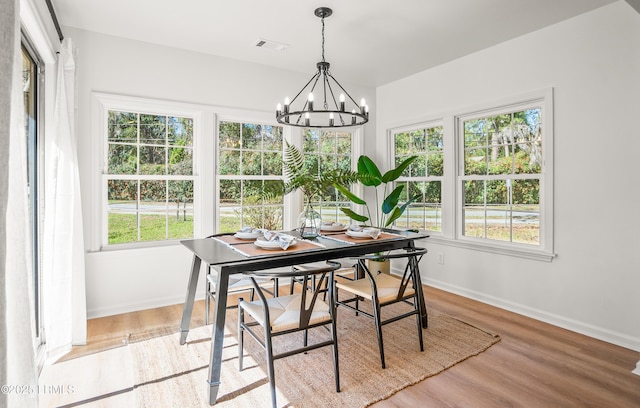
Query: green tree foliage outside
[149, 145]
[253, 151]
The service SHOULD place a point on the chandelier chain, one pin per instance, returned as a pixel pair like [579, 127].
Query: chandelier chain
[323, 39]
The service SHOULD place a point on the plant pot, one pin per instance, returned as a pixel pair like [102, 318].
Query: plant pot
[379, 266]
[309, 222]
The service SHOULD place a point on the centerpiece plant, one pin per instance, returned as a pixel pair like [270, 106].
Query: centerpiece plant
[312, 183]
[388, 208]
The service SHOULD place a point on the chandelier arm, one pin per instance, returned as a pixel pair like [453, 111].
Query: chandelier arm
[305, 86]
[333, 96]
[306, 103]
[344, 90]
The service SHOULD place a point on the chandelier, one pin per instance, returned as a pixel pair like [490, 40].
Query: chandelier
[332, 113]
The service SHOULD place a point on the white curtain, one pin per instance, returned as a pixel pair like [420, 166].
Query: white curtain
[63, 272]
[17, 312]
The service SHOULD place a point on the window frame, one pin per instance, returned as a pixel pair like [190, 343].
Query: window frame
[339, 216]
[452, 200]
[102, 103]
[218, 177]
[424, 125]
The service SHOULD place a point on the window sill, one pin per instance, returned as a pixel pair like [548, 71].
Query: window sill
[140, 245]
[526, 253]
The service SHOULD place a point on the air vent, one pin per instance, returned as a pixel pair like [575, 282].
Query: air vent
[271, 45]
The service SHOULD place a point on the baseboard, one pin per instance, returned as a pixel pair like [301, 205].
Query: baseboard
[619, 339]
[134, 307]
[637, 370]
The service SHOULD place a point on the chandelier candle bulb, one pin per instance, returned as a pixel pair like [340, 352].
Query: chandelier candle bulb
[310, 100]
[342, 102]
[331, 119]
[286, 104]
[363, 105]
[353, 116]
[278, 110]
[306, 119]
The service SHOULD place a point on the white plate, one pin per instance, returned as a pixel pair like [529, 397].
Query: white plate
[247, 235]
[358, 234]
[336, 227]
[264, 244]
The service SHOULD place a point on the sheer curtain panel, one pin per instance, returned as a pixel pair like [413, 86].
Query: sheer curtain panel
[16, 313]
[63, 267]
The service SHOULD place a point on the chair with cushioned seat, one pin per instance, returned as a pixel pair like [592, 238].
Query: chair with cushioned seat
[290, 314]
[386, 289]
[237, 284]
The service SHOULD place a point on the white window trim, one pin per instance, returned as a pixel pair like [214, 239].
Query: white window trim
[451, 200]
[442, 179]
[101, 104]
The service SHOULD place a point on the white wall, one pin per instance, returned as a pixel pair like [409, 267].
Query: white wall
[134, 279]
[593, 63]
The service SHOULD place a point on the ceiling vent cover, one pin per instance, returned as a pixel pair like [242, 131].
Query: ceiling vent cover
[270, 45]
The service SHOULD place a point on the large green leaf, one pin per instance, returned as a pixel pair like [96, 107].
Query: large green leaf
[391, 201]
[350, 195]
[397, 212]
[394, 174]
[353, 215]
[371, 175]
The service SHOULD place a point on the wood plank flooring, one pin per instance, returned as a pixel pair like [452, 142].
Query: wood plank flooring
[534, 365]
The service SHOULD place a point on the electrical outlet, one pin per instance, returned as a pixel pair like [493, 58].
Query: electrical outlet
[441, 258]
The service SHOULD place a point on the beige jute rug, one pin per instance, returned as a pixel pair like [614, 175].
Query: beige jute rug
[170, 375]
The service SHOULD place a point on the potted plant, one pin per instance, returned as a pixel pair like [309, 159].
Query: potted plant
[370, 176]
[311, 184]
[387, 211]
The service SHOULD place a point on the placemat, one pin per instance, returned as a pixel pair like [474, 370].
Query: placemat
[350, 240]
[233, 240]
[248, 248]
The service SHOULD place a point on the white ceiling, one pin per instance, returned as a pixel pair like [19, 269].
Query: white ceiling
[369, 42]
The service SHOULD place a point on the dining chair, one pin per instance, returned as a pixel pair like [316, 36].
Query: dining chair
[386, 289]
[237, 284]
[288, 314]
[347, 268]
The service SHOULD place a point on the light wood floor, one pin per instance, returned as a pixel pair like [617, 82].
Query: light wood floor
[534, 364]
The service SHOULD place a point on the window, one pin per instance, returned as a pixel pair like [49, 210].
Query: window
[483, 177]
[250, 180]
[149, 176]
[501, 175]
[32, 77]
[423, 179]
[326, 150]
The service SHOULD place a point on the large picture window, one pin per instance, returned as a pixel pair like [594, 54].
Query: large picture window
[323, 151]
[251, 186]
[423, 178]
[483, 177]
[502, 171]
[149, 176]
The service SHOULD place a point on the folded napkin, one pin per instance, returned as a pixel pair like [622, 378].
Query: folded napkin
[284, 240]
[372, 232]
[249, 230]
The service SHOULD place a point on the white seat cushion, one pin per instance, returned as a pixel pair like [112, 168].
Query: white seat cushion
[285, 311]
[240, 285]
[387, 285]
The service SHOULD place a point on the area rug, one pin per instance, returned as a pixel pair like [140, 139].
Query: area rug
[161, 373]
[166, 374]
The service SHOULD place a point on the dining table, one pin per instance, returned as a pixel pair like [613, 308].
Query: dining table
[230, 255]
